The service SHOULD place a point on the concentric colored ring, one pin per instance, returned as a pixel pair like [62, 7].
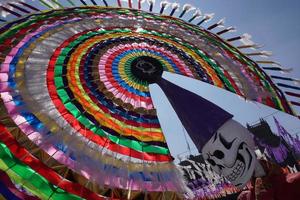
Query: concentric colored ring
[73, 108]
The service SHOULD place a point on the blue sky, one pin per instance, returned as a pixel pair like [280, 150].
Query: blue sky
[272, 23]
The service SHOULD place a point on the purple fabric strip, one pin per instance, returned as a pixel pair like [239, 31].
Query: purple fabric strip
[19, 8]
[200, 117]
[10, 11]
[29, 6]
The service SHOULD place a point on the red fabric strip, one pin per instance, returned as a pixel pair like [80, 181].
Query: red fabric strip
[108, 71]
[95, 100]
[236, 88]
[286, 107]
[81, 128]
[4, 178]
[25, 156]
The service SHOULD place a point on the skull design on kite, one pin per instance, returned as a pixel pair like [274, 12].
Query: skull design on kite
[76, 109]
[230, 151]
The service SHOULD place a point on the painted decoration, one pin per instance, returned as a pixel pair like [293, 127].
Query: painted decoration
[76, 116]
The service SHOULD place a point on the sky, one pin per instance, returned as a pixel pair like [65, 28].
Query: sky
[272, 23]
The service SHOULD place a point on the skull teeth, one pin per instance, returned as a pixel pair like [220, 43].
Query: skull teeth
[236, 171]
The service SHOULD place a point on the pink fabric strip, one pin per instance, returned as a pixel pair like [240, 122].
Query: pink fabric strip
[37, 137]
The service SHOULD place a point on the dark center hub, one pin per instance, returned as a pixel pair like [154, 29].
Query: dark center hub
[146, 68]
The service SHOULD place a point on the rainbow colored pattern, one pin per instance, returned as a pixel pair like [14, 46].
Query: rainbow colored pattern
[74, 120]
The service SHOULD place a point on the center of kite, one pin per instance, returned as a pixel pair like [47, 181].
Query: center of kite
[146, 68]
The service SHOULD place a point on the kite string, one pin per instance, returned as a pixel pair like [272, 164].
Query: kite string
[273, 113]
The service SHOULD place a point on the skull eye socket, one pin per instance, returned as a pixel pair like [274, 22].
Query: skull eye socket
[218, 154]
[225, 143]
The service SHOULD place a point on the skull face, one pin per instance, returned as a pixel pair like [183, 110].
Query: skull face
[230, 152]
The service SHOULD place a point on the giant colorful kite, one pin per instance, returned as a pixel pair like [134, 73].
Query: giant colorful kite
[76, 116]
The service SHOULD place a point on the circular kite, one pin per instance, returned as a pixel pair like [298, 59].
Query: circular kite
[76, 116]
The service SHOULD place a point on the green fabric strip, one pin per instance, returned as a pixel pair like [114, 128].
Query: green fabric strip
[207, 36]
[57, 3]
[30, 179]
[34, 18]
[46, 4]
[136, 145]
[71, 2]
[139, 146]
